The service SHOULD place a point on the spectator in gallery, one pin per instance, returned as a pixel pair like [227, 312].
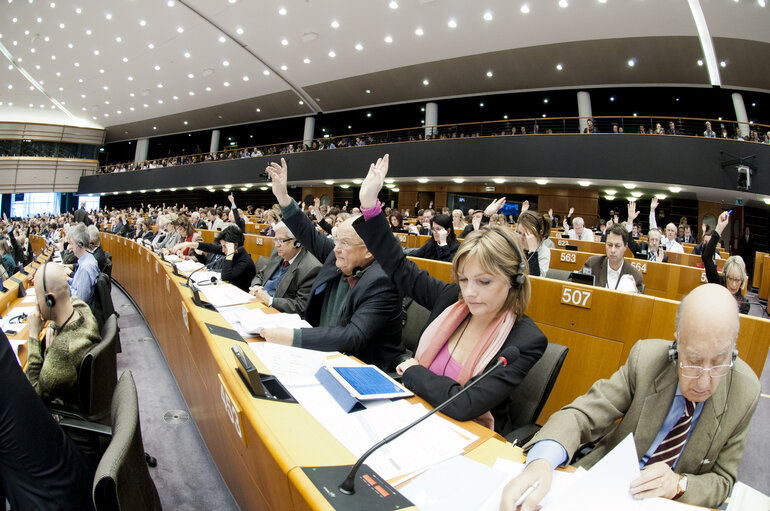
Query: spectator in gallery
[590, 128]
[671, 129]
[709, 133]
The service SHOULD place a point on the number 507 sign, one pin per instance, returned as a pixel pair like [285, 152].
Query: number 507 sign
[576, 297]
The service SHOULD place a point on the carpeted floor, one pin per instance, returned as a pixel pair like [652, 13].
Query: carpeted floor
[186, 476]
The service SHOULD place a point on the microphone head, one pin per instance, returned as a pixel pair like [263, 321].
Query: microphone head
[213, 280]
[503, 360]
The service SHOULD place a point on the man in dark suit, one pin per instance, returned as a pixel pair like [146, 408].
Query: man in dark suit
[283, 280]
[612, 270]
[354, 307]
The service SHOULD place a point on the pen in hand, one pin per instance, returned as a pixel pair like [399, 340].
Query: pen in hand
[527, 493]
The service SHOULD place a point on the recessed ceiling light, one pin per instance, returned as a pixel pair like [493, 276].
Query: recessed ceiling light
[488, 16]
[146, 105]
[700, 62]
[151, 46]
[225, 63]
[368, 114]
[541, 181]
[636, 195]
[105, 87]
[418, 31]
[610, 192]
[285, 42]
[631, 62]
[221, 39]
[239, 31]
[332, 54]
[359, 46]
[306, 60]
[130, 78]
[108, 16]
[388, 39]
[118, 39]
[125, 59]
[426, 82]
[393, 5]
[368, 91]
[156, 67]
[170, 3]
[499, 180]
[584, 183]
[266, 72]
[609, 197]
[563, 3]
[481, 105]
[329, 182]
[96, 52]
[160, 101]
[131, 108]
[674, 189]
[490, 74]
[524, 9]
[559, 67]
[245, 78]
[187, 54]
[723, 63]
[452, 23]
[70, 45]
[458, 180]
[78, 10]
[258, 110]
[545, 101]
[335, 24]
[282, 11]
[142, 23]
[155, 127]
[612, 98]
[160, 85]
[284, 68]
[422, 180]
[226, 84]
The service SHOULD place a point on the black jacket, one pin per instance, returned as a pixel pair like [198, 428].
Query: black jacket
[523, 347]
[239, 270]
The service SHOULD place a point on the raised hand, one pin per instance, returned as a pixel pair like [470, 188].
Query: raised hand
[373, 182]
[494, 206]
[632, 212]
[524, 206]
[279, 175]
[550, 213]
[654, 203]
[231, 199]
[722, 222]
[571, 210]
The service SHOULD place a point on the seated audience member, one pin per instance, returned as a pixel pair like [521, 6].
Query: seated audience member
[53, 363]
[233, 216]
[164, 227]
[458, 219]
[672, 129]
[477, 219]
[9, 264]
[590, 128]
[463, 337]
[95, 247]
[733, 275]
[353, 305]
[612, 270]
[142, 232]
[709, 133]
[197, 221]
[272, 218]
[700, 247]
[498, 219]
[283, 281]
[578, 231]
[121, 228]
[187, 233]
[424, 225]
[237, 268]
[668, 242]
[443, 244]
[215, 223]
[396, 221]
[688, 237]
[531, 230]
[661, 395]
[40, 466]
[651, 248]
[83, 281]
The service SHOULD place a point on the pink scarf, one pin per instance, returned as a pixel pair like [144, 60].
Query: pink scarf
[438, 332]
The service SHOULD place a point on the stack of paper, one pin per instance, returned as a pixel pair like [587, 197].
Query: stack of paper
[205, 277]
[188, 266]
[173, 258]
[255, 320]
[224, 295]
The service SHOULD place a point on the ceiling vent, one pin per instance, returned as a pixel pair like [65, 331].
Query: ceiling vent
[309, 36]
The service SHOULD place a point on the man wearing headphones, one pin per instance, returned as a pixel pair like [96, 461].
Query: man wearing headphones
[674, 398]
[612, 270]
[52, 364]
[83, 281]
[284, 279]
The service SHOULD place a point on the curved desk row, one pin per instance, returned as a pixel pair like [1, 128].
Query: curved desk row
[258, 445]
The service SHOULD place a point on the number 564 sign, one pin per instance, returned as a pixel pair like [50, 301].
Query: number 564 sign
[576, 297]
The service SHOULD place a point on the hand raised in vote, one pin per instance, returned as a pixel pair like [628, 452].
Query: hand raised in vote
[550, 213]
[537, 471]
[278, 335]
[632, 212]
[524, 206]
[656, 480]
[661, 255]
[494, 206]
[279, 175]
[722, 222]
[406, 364]
[373, 182]
[654, 203]
[571, 210]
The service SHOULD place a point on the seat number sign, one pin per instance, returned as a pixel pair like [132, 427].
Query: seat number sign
[576, 297]
[234, 413]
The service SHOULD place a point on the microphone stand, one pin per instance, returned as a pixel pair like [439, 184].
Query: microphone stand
[348, 485]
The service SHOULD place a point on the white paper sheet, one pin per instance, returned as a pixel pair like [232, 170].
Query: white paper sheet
[254, 320]
[230, 315]
[746, 498]
[188, 266]
[205, 276]
[292, 366]
[457, 484]
[17, 311]
[223, 295]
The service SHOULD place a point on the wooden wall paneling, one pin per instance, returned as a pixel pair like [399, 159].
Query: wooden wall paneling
[705, 208]
[756, 278]
[764, 285]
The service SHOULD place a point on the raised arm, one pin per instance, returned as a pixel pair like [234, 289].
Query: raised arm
[653, 207]
[712, 273]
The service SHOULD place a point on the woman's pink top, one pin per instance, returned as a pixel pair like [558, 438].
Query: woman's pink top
[445, 365]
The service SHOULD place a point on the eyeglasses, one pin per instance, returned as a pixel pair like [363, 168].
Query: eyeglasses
[697, 371]
[344, 244]
[733, 279]
[278, 241]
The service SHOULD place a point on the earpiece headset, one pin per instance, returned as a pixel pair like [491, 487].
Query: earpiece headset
[358, 272]
[50, 299]
[673, 355]
[297, 244]
[518, 278]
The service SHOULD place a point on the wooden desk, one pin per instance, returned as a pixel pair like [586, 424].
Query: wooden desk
[258, 445]
[600, 330]
[764, 284]
[759, 259]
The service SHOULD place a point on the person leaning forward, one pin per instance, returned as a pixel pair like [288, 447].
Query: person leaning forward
[664, 392]
[353, 305]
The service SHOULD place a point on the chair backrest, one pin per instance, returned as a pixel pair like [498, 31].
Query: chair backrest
[122, 481]
[98, 375]
[553, 273]
[415, 319]
[529, 397]
[101, 304]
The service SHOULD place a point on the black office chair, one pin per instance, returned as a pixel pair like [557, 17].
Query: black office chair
[529, 397]
[102, 306]
[414, 319]
[122, 481]
[553, 273]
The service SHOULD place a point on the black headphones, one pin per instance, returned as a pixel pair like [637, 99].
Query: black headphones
[518, 278]
[297, 243]
[358, 272]
[673, 353]
[50, 299]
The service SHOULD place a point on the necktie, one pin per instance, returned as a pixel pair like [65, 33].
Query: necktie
[671, 447]
[286, 264]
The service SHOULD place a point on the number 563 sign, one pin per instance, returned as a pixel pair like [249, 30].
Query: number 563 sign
[576, 297]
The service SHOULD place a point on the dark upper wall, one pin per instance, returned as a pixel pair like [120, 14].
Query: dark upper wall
[687, 161]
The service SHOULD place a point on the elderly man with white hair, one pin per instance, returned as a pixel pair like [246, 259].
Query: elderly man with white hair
[669, 242]
[578, 231]
[283, 280]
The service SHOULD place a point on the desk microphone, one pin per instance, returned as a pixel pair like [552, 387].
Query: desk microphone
[348, 485]
[195, 295]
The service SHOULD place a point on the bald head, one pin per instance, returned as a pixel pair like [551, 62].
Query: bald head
[708, 311]
[55, 283]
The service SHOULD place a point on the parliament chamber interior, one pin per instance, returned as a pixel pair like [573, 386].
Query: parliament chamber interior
[407, 254]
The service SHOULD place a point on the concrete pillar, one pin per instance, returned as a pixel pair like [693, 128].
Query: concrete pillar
[584, 108]
[214, 147]
[142, 145]
[740, 115]
[431, 119]
[308, 136]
